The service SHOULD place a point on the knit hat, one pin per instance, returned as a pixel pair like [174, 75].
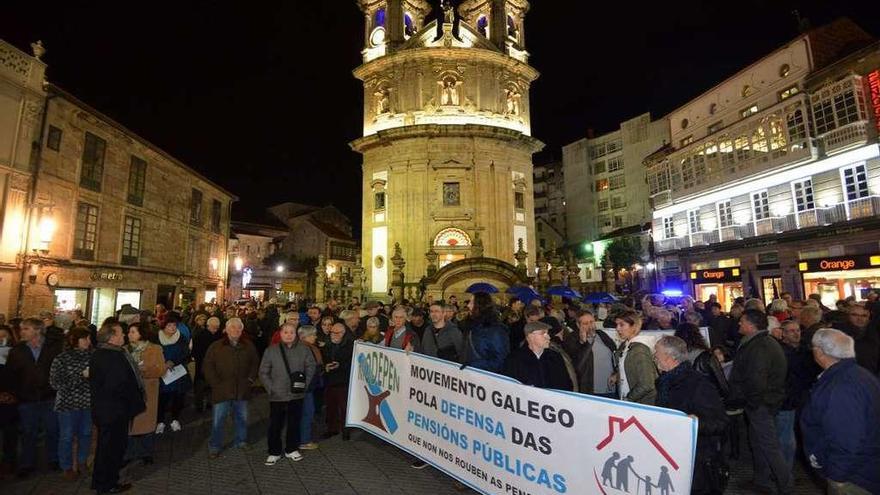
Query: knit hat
[534, 327]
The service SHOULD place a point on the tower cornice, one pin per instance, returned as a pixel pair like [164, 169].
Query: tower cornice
[432, 54]
[428, 131]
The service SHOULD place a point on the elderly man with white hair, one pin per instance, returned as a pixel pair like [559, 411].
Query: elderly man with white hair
[839, 424]
[230, 368]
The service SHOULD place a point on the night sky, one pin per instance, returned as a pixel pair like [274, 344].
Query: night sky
[260, 98]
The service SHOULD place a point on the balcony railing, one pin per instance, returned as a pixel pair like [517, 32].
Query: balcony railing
[848, 136]
[864, 207]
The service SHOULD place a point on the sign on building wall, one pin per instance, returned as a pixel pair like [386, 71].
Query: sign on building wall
[501, 437]
[716, 275]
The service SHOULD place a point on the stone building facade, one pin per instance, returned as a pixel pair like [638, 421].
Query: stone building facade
[113, 219]
[447, 150]
[549, 193]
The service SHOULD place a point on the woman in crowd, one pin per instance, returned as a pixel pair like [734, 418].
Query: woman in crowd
[308, 336]
[175, 349]
[324, 335]
[286, 371]
[636, 373]
[372, 333]
[702, 359]
[150, 359]
[69, 376]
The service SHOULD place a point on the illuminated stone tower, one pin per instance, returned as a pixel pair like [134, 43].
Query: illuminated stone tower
[447, 146]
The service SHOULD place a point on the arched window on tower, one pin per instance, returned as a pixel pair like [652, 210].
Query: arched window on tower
[512, 31]
[380, 18]
[483, 26]
[409, 28]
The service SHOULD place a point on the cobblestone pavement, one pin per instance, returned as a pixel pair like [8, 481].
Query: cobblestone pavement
[364, 465]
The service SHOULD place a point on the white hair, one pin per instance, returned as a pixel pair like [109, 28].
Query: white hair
[778, 306]
[834, 343]
[674, 346]
[234, 321]
[306, 331]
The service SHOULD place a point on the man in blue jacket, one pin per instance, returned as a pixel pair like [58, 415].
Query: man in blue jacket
[839, 424]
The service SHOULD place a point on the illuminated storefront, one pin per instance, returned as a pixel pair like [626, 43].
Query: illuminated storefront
[724, 283]
[840, 277]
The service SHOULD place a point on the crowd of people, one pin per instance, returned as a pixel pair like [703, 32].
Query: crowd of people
[801, 376]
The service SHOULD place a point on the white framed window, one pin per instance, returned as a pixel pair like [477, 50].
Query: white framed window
[745, 112]
[618, 202]
[694, 221]
[855, 181]
[838, 104]
[615, 164]
[617, 181]
[603, 204]
[761, 205]
[803, 195]
[725, 215]
[668, 228]
[617, 222]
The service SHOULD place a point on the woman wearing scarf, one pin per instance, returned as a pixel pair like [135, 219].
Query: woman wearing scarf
[175, 349]
[636, 372]
[149, 358]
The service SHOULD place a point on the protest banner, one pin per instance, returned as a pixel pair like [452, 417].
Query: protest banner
[498, 436]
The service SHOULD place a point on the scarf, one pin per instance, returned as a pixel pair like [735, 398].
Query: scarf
[133, 365]
[137, 349]
[664, 382]
[166, 340]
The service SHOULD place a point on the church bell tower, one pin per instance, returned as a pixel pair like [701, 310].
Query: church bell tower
[447, 146]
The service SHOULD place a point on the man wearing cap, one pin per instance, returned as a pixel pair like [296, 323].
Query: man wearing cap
[372, 308]
[535, 363]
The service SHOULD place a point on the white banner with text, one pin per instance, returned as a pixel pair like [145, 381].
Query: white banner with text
[501, 437]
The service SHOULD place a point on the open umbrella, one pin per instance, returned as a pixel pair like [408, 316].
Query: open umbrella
[524, 293]
[600, 297]
[563, 291]
[482, 287]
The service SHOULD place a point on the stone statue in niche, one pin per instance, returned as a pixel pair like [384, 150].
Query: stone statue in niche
[383, 102]
[512, 104]
[449, 89]
[448, 11]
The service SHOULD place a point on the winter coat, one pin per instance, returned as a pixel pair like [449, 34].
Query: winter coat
[231, 370]
[867, 343]
[758, 375]
[152, 365]
[406, 337]
[548, 371]
[114, 387]
[582, 357]
[688, 391]
[706, 364]
[178, 353]
[446, 342]
[839, 425]
[274, 376]
[800, 375]
[638, 371]
[202, 340]
[32, 377]
[342, 354]
[487, 346]
[66, 377]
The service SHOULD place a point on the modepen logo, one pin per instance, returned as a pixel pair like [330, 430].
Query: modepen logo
[381, 379]
[626, 436]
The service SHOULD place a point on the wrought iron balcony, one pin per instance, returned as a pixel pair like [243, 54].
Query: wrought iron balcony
[864, 207]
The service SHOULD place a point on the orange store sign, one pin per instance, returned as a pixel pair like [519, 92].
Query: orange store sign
[874, 87]
[837, 264]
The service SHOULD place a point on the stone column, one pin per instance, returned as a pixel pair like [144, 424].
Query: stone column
[394, 24]
[431, 256]
[357, 279]
[498, 24]
[397, 276]
[521, 256]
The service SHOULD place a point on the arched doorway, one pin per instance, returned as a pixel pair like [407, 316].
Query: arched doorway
[456, 277]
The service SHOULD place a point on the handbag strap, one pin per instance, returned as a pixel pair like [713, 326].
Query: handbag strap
[284, 357]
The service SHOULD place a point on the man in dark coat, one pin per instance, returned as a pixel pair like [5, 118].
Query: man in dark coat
[866, 337]
[117, 397]
[757, 384]
[592, 354]
[535, 363]
[28, 366]
[681, 387]
[719, 325]
[202, 340]
[839, 423]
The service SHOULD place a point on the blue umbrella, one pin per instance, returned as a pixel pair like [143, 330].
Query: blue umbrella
[524, 293]
[563, 291]
[600, 297]
[482, 287]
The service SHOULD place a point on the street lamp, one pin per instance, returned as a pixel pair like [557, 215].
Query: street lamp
[279, 268]
[650, 266]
